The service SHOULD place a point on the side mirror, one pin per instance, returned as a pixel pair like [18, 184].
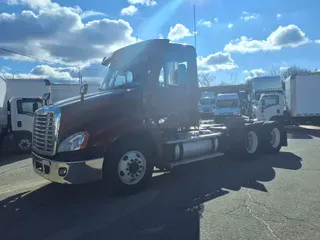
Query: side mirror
[83, 90]
[45, 97]
[34, 107]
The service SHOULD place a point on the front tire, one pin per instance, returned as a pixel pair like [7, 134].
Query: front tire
[23, 143]
[128, 168]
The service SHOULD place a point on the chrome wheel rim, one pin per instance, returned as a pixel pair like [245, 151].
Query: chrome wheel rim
[132, 167]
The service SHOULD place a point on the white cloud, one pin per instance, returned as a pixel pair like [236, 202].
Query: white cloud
[91, 14]
[230, 25]
[5, 69]
[58, 34]
[279, 16]
[249, 16]
[90, 73]
[317, 41]
[254, 73]
[216, 61]
[178, 32]
[35, 4]
[205, 23]
[289, 36]
[215, 19]
[131, 10]
[143, 2]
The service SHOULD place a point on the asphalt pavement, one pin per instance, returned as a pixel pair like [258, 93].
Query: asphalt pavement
[271, 197]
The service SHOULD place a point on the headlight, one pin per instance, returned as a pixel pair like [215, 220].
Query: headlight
[74, 142]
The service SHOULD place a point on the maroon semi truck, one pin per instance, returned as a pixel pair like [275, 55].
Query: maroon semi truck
[145, 115]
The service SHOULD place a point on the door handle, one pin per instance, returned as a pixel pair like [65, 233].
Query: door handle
[19, 123]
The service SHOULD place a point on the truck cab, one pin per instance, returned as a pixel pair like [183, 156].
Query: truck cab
[271, 106]
[145, 115]
[227, 104]
[206, 106]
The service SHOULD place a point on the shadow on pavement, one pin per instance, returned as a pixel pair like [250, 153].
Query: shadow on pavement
[303, 133]
[170, 208]
[10, 157]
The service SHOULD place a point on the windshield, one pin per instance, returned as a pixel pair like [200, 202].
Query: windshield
[117, 78]
[227, 103]
[207, 101]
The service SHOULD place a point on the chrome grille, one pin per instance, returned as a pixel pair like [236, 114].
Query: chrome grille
[43, 132]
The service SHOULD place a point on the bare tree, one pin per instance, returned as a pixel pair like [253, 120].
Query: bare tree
[234, 78]
[274, 71]
[293, 70]
[206, 79]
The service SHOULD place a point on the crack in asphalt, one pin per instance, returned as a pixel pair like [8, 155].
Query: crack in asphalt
[257, 218]
[283, 215]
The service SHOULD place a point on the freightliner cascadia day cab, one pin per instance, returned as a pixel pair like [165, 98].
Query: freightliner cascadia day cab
[144, 116]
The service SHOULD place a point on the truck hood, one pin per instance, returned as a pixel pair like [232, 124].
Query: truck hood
[96, 110]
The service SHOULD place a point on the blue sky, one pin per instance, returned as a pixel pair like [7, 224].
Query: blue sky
[233, 37]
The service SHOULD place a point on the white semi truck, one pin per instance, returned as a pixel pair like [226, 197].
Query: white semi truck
[298, 105]
[19, 99]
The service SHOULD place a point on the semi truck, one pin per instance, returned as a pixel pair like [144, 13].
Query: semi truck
[297, 105]
[141, 118]
[19, 98]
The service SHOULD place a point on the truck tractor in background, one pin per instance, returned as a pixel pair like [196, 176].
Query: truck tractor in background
[207, 105]
[142, 117]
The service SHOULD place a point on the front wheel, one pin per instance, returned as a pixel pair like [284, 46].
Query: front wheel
[128, 169]
[23, 143]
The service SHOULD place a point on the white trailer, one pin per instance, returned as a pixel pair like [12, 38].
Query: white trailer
[63, 91]
[302, 93]
[19, 98]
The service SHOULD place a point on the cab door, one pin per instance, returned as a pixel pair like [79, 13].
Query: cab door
[168, 99]
[271, 106]
[22, 111]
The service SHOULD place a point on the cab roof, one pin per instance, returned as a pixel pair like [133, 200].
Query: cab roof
[146, 49]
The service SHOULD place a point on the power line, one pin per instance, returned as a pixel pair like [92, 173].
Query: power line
[29, 56]
[48, 61]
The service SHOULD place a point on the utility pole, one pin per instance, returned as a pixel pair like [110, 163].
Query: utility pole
[194, 26]
[137, 39]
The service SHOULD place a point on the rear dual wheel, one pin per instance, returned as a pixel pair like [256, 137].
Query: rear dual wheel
[271, 137]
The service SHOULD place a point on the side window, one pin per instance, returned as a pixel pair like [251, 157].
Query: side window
[28, 106]
[173, 74]
[271, 100]
[120, 78]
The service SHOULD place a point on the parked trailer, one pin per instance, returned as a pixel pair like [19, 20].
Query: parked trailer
[141, 119]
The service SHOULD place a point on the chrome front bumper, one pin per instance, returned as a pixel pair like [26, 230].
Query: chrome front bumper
[68, 172]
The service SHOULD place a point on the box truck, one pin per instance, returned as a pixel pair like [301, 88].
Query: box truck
[298, 105]
[19, 99]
